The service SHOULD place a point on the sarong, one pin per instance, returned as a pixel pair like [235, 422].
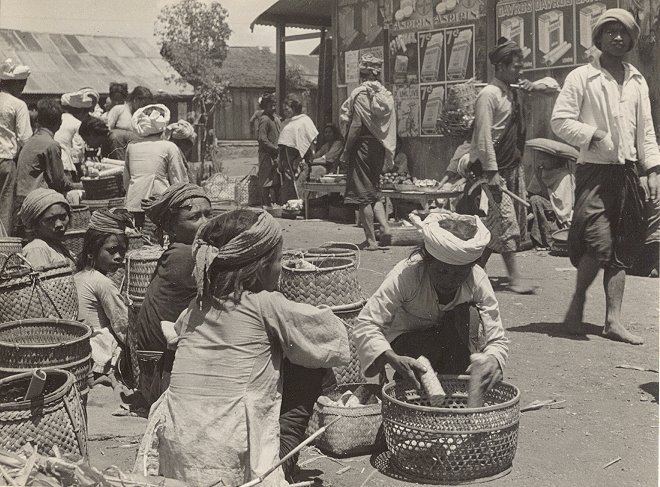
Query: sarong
[608, 219]
[365, 163]
[7, 191]
[545, 221]
[267, 171]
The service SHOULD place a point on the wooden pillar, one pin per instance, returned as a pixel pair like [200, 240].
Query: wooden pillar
[321, 95]
[280, 61]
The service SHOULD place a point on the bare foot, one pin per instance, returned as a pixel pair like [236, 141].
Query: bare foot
[619, 334]
[573, 319]
[519, 288]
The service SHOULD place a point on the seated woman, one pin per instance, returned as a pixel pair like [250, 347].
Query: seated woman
[45, 216]
[437, 303]
[178, 213]
[99, 301]
[217, 423]
[326, 159]
[112, 143]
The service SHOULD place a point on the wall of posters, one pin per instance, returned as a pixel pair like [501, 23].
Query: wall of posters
[554, 33]
[516, 22]
[407, 109]
[404, 58]
[431, 103]
[410, 15]
[452, 12]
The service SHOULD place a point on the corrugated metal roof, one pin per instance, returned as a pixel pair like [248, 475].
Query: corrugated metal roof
[298, 13]
[64, 63]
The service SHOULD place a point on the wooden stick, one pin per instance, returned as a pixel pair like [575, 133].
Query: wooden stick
[609, 464]
[516, 197]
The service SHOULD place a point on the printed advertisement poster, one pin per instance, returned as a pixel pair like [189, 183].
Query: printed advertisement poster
[431, 101]
[555, 44]
[404, 59]
[515, 21]
[432, 56]
[409, 15]
[586, 14]
[460, 53]
[452, 12]
[406, 98]
[351, 69]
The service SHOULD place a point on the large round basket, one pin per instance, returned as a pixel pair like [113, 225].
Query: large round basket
[94, 205]
[335, 249]
[80, 215]
[54, 419]
[8, 246]
[103, 188]
[350, 373]
[357, 430]
[452, 443]
[46, 343]
[333, 281]
[140, 267]
[25, 292]
[74, 240]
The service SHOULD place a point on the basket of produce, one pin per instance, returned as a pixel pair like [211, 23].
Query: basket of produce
[449, 442]
[292, 209]
[559, 243]
[103, 187]
[73, 240]
[331, 281]
[80, 215]
[26, 292]
[8, 246]
[359, 408]
[457, 115]
[53, 418]
[349, 373]
[140, 267]
[46, 343]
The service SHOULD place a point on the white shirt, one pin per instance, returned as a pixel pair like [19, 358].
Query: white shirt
[15, 127]
[73, 146]
[592, 99]
[406, 301]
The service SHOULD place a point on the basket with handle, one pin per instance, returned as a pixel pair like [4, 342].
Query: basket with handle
[140, 267]
[26, 292]
[451, 443]
[220, 187]
[79, 219]
[46, 343]
[74, 241]
[103, 188]
[333, 281]
[349, 373]
[8, 246]
[53, 419]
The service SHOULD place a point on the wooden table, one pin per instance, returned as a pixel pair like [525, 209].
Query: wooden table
[422, 198]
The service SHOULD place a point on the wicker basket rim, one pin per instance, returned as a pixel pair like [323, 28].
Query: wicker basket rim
[146, 253]
[350, 263]
[495, 407]
[74, 233]
[349, 307]
[51, 270]
[11, 239]
[364, 409]
[56, 395]
[56, 321]
[79, 207]
[67, 365]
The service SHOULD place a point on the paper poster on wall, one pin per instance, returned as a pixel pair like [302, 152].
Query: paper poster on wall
[403, 58]
[515, 21]
[409, 15]
[351, 60]
[432, 56]
[555, 43]
[586, 14]
[460, 53]
[451, 12]
[406, 98]
[431, 101]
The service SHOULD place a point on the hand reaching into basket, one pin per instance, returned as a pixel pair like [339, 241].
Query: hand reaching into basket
[407, 367]
[489, 369]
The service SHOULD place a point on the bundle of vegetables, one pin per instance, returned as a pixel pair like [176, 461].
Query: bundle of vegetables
[361, 396]
[390, 178]
[27, 468]
[458, 113]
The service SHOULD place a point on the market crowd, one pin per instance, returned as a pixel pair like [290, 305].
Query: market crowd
[241, 365]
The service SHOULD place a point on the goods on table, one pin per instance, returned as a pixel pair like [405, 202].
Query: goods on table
[451, 443]
[389, 179]
[458, 113]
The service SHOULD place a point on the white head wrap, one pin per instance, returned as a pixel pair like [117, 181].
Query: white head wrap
[451, 238]
[83, 98]
[154, 123]
[10, 70]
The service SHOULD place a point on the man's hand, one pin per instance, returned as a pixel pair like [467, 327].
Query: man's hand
[494, 180]
[407, 367]
[653, 184]
[491, 373]
[597, 137]
[527, 85]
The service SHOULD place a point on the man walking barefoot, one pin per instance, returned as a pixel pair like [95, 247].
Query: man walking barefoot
[604, 109]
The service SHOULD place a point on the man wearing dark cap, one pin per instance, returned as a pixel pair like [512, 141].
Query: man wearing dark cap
[267, 136]
[604, 109]
[498, 141]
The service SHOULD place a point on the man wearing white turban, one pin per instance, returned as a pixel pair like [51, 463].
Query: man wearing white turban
[438, 303]
[76, 107]
[15, 130]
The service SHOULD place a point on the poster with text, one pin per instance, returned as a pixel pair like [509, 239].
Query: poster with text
[459, 49]
[432, 56]
[403, 58]
[451, 12]
[351, 69]
[431, 102]
[586, 14]
[410, 15]
[515, 21]
[555, 42]
[406, 98]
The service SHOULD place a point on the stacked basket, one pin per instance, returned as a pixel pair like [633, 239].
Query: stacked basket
[94, 205]
[8, 246]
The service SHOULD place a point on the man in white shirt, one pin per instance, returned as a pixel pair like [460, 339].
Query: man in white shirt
[604, 109]
[15, 130]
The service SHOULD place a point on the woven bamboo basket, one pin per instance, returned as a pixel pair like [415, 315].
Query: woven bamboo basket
[54, 419]
[357, 431]
[8, 246]
[136, 241]
[74, 240]
[94, 205]
[46, 343]
[104, 188]
[140, 267]
[335, 249]
[80, 370]
[333, 282]
[451, 443]
[350, 373]
[80, 215]
[26, 292]
[131, 336]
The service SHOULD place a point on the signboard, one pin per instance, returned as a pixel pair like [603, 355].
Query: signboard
[516, 22]
[555, 41]
[407, 109]
[410, 15]
[404, 59]
[431, 102]
[453, 12]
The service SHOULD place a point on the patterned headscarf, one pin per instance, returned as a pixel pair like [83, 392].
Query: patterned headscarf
[246, 247]
[154, 123]
[503, 49]
[83, 98]
[10, 70]
[180, 130]
[159, 207]
[371, 64]
[37, 202]
[615, 15]
[112, 221]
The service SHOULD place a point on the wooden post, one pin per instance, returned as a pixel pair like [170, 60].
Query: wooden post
[280, 60]
[322, 89]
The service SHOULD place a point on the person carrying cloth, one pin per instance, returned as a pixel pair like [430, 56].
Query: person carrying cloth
[498, 142]
[604, 109]
[217, 422]
[368, 121]
[438, 303]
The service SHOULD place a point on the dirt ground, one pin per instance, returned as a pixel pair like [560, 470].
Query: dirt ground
[609, 412]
